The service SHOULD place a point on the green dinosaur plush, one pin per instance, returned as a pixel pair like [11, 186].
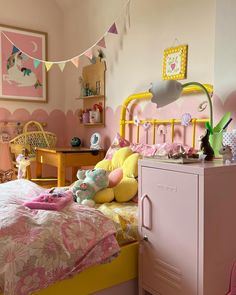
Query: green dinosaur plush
[89, 182]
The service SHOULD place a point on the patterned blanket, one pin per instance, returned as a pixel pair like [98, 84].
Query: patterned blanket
[40, 247]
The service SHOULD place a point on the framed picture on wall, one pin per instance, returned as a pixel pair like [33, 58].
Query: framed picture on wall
[175, 63]
[23, 76]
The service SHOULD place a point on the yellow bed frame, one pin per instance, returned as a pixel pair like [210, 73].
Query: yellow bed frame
[121, 269]
[125, 266]
[154, 122]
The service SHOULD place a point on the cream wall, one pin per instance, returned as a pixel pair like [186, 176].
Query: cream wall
[43, 16]
[225, 48]
[134, 58]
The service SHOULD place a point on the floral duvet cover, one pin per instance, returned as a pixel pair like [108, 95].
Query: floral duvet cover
[40, 247]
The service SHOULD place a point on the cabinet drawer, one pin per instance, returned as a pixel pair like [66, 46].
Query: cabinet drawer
[169, 220]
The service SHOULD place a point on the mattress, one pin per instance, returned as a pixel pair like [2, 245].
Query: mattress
[125, 218]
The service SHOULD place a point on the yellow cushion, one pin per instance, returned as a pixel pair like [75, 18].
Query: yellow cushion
[130, 166]
[126, 189]
[120, 156]
[105, 164]
[106, 195]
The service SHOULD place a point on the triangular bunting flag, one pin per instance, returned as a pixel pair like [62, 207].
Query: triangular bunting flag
[102, 43]
[48, 65]
[113, 29]
[15, 49]
[89, 53]
[36, 63]
[75, 61]
[62, 66]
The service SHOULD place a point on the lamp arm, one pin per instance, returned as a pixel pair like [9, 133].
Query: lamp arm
[207, 94]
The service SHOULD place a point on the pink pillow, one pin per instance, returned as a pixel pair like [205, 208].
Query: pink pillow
[117, 143]
[135, 198]
[115, 177]
[166, 148]
[143, 149]
[159, 149]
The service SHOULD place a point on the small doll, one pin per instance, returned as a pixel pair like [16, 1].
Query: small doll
[205, 146]
[22, 163]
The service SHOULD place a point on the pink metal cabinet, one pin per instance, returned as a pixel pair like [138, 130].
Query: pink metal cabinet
[187, 224]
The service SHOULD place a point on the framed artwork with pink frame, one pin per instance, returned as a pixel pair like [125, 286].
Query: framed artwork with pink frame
[23, 76]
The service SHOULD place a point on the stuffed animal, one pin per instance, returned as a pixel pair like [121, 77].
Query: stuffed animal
[226, 152]
[88, 183]
[22, 163]
[127, 161]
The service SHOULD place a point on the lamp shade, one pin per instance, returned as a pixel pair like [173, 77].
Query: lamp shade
[165, 92]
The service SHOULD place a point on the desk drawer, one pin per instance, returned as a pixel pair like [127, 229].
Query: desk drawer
[82, 159]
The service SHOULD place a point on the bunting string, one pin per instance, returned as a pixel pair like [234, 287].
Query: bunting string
[88, 52]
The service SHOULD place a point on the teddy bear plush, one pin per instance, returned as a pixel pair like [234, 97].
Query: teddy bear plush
[127, 161]
[88, 183]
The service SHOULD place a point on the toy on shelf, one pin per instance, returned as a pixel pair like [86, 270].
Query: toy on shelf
[92, 115]
[84, 116]
[227, 154]
[95, 113]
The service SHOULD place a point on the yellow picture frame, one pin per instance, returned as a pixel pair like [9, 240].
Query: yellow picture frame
[175, 63]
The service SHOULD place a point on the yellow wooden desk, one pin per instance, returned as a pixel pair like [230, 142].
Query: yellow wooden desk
[63, 157]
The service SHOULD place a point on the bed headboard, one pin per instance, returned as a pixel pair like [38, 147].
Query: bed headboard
[155, 122]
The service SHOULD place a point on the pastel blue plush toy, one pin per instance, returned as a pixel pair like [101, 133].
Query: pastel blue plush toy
[89, 182]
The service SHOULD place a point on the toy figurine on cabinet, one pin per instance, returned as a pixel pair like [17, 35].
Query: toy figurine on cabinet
[226, 152]
[205, 146]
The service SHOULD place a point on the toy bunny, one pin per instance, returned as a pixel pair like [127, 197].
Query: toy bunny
[205, 146]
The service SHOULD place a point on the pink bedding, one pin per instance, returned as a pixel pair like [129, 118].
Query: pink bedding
[40, 247]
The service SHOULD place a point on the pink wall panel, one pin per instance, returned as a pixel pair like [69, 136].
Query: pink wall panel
[66, 125]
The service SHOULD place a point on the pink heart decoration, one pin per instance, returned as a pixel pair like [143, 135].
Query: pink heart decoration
[172, 66]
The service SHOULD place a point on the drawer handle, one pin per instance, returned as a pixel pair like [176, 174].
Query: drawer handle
[149, 226]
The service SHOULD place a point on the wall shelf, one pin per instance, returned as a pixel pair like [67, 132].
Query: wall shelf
[93, 77]
[93, 124]
[91, 97]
